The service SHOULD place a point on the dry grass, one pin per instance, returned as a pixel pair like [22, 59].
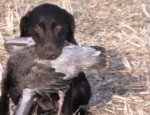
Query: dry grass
[123, 27]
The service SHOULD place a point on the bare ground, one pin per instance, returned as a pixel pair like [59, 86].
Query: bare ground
[121, 26]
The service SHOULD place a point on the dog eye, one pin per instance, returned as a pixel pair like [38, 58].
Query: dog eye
[55, 26]
[58, 27]
[39, 30]
[41, 24]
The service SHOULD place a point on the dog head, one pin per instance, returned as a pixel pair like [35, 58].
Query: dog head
[49, 26]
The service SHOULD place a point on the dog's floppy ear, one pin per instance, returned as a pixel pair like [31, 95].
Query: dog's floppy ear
[71, 26]
[24, 26]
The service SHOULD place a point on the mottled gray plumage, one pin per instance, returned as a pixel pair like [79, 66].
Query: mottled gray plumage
[51, 76]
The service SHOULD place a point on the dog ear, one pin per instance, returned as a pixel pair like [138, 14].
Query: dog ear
[24, 25]
[71, 27]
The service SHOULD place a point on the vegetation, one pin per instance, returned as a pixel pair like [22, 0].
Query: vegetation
[123, 27]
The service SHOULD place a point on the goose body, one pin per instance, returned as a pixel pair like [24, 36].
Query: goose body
[44, 77]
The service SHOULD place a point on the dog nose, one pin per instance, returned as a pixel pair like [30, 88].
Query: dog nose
[50, 53]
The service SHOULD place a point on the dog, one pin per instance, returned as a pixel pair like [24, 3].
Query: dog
[49, 26]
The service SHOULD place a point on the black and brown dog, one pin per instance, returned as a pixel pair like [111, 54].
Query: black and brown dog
[49, 26]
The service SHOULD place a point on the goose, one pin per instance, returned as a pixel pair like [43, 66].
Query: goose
[41, 77]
